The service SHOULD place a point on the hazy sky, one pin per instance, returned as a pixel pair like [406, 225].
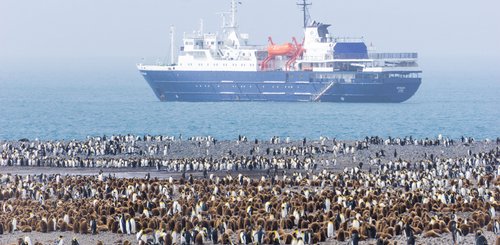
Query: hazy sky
[451, 32]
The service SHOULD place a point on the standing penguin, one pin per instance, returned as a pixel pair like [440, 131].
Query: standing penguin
[410, 238]
[480, 239]
[187, 237]
[93, 226]
[215, 236]
[454, 232]
[14, 224]
[128, 226]
[277, 240]
[307, 237]
[496, 227]
[133, 228]
[355, 237]
[258, 236]
[123, 225]
[330, 229]
[337, 220]
[60, 241]
[27, 240]
[243, 238]
[74, 241]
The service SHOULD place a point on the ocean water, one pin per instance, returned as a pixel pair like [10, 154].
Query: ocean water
[76, 100]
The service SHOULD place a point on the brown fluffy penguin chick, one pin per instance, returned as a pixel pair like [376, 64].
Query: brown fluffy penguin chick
[431, 233]
[199, 239]
[76, 227]
[42, 227]
[84, 228]
[341, 235]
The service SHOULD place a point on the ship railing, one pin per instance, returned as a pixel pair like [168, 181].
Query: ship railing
[348, 56]
[317, 58]
[386, 56]
[348, 39]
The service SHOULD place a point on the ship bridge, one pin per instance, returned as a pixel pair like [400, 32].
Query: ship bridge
[350, 50]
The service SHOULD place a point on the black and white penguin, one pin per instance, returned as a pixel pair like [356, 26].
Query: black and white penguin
[138, 235]
[258, 236]
[214, 236]
[123, 225]
[307, 237]
[128, 226]
[355, 238]
[496, 227]
[480, 238]
[243, 238]
[460, 236]
[454, 230]
[133, 227]
[187, 237]
[330, 230]
[93, 227]
[14, 224]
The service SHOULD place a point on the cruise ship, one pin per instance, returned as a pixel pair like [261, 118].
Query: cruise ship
[319, 68]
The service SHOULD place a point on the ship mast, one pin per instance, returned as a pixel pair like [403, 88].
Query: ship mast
[233, 13]
[172, 39]
[304, 5]
[231, 29]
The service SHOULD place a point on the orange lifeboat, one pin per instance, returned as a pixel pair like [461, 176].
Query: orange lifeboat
[284, 49]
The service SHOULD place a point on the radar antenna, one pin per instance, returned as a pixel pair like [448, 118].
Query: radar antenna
[234, 9]
[304, 5]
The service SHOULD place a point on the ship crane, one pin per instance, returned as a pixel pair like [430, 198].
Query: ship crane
[298, 52]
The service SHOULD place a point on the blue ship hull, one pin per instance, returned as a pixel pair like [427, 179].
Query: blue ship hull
[207, 86]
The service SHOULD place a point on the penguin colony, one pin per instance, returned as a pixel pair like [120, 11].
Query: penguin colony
[203, 153]
[429, 197]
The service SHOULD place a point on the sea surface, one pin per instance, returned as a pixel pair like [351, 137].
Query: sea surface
[73, 101]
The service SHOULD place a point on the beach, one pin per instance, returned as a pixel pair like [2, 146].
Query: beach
[444, 172]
